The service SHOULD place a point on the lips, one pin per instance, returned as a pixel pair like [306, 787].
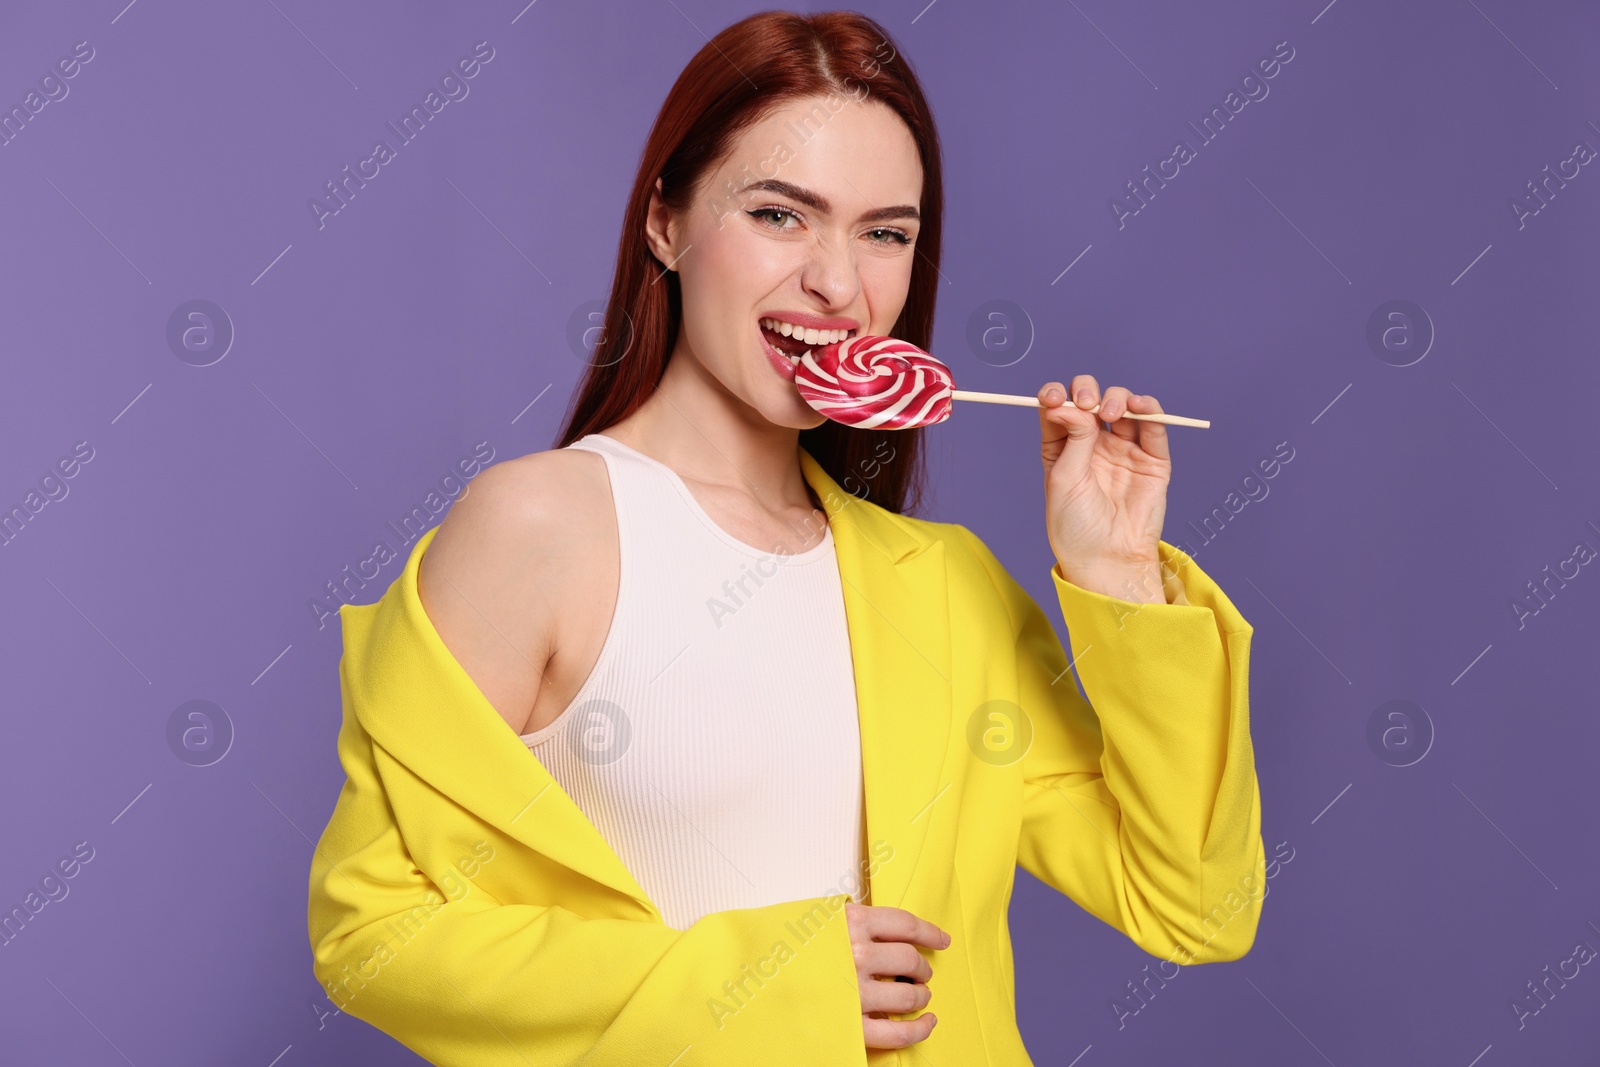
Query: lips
[783, 365]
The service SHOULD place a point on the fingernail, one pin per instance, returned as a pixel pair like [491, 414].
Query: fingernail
[1053, 394]
[946, 940]
[1083, 399]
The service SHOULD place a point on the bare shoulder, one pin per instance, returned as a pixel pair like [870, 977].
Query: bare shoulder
[501, 569]
[552, 494]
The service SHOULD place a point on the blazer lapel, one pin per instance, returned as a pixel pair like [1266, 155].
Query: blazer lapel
[896, 604]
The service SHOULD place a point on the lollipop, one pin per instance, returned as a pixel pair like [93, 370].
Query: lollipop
[874, 382]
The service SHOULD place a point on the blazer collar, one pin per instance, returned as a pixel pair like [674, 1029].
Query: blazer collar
[418, 704]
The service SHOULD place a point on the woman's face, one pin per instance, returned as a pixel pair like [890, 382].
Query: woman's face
[812, 222]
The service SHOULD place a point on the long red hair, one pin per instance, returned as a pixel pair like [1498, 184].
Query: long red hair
[730, 84]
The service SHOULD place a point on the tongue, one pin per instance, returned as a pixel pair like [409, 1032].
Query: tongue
[792, 346]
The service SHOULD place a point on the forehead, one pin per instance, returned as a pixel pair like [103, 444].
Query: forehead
[856, 154]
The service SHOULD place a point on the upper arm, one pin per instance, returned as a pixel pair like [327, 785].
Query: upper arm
[1065, 729]
[489, 579]
[1070, 834]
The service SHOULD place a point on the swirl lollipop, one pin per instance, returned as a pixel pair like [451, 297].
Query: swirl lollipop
[875, 382]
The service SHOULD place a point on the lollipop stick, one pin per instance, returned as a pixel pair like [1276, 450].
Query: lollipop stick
[1033, 402]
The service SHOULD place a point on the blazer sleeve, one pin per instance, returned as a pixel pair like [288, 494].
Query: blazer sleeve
[473, 981]
[1142, 804]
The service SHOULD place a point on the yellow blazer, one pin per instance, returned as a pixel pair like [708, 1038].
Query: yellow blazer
[461, 902]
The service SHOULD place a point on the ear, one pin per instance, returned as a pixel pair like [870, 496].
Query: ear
[659, 228]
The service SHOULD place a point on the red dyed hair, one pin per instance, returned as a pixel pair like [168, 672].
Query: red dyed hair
[780, 56]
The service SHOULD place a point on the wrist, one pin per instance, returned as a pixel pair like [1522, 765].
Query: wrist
[1139, 581]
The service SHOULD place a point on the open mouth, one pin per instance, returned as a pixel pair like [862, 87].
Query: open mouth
[793, 343]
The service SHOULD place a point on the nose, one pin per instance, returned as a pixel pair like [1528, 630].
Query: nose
[830, 273]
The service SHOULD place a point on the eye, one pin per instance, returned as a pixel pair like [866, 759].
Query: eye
[898, 236]
[767, 212]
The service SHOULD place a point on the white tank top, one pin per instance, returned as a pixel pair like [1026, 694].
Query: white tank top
[715, 743]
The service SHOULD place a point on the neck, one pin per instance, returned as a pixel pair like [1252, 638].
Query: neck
[695, 426]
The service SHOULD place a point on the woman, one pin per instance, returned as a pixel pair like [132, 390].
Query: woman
[759, 695]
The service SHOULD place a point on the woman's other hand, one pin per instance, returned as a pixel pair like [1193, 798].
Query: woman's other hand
[883, 941]
[1105, 489]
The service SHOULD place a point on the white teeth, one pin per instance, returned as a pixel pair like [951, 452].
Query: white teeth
[812, 338]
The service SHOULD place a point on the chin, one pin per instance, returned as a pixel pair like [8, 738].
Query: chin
[786, 416]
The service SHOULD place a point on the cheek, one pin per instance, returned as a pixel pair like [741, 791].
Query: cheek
[726, 264]
[885, 284]
[722, 280]
[705, 274]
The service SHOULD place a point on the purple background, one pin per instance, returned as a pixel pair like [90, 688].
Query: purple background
[373, 353]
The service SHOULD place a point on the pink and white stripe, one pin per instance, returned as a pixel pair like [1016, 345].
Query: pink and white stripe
[873, 382]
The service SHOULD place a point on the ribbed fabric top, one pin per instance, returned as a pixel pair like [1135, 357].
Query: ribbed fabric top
[715, 743]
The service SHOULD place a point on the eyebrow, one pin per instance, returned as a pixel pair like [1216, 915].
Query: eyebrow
[818, 202]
